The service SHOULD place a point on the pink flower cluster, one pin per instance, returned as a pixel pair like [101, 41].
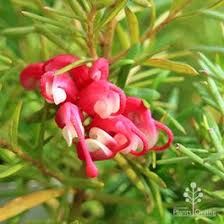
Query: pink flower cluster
[118, 123]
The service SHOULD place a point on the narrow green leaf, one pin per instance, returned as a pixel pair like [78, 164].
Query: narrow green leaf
[53, 37]
[43, 19]
[143, 3]
[132, 26]
[144, 75]
[18, 30]
[158, 199]
[14, 124]
[217, 4]
[154, 84]
[63, 13]
[171, 119]
[172, 160]
[217, 142]
[110, 13]
[216, 94]
[200, 161]
[210, 69]
[149, 174]
[28, 4]
[171, 66]
[123, 76]
[144, 93]
[7, 156]
[177, 5]
[5, 60]
[77, 9]
[132, 175]
[99, 4]
[4, 68]
[11, 170]
[85, 5]
[213, 14]
[123, 37]
[121, 63]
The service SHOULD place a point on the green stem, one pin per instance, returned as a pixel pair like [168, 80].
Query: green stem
[200, 161]
[73, 65]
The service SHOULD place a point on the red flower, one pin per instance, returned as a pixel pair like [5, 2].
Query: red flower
[30, 76]
[102, 98]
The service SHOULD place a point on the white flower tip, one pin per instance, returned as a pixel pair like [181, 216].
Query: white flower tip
[102, 109]
[59, 95]
[69, 133]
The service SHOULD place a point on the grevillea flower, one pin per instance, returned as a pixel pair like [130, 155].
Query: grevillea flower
[69, 119]
[30, 76]
[58, 88]
[112, 135]
[79, 74]
[102, 98]
[140, 115]
[119, 124]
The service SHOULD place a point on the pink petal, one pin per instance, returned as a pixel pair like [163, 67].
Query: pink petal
[99, 70]
[102, 98]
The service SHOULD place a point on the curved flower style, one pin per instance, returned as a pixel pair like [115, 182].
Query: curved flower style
[30, 76]
[102, 98]
[136, 111]
[58, 88]
[112, 135]
[69, 119]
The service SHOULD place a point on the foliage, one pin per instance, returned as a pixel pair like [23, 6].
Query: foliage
[167, 52]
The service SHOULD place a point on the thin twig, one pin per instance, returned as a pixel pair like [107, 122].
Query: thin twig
[24, 156]
[108, 39]
[90, 33]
